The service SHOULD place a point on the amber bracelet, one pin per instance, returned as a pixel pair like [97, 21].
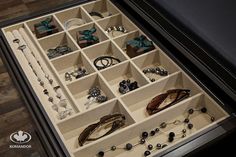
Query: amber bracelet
[117, 120]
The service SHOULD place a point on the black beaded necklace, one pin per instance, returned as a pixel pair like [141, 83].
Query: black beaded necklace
[171, 135]
[105, 62]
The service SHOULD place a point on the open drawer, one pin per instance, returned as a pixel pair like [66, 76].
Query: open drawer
[72, 91]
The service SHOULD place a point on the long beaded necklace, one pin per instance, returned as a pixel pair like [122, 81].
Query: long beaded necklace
[59, 104]
[171, 135]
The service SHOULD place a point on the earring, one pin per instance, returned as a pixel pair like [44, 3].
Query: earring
[95, 96]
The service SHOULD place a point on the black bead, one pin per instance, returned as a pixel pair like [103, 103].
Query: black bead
[183, 136]
[123, 89]
[150, 147]
[122, 83]
[101, 154]
[164, 145]
[190, 111]
[152, 80]
[113, 148]
[142, 141]
[163, 125]
[144, 135]
[50, 99]
[39, 80]
[212, 119]
[51, 81]
[152, 133]
[45, 91]
[165, 73]
[146, 153]
[184, 131]
[152, 70]
[56, 88]
[41, 83]
[171, 139]
[186, 120]
[190, 126]
[133, 85]
[128, 146]
[101, 98]
[157, 130]
[157, 69]
[158, 146]
[171, 134]
[204, 110]
[145, 71]
[78, 76]
[124, 86]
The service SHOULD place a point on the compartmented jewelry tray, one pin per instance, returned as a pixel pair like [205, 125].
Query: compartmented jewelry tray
[106, 87]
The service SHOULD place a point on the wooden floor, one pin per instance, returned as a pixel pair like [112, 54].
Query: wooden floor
[15, 8]
[14, 116]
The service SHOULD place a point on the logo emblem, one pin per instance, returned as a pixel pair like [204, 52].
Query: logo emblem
[20, 137]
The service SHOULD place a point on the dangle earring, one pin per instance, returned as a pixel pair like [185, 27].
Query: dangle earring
[95, 96]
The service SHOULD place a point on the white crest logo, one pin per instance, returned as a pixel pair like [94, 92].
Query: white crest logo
[20, 137]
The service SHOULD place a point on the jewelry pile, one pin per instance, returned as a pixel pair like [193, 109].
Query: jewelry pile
[58, 51]
[171, 136]
[126, 85]
[77, 73]
[95, 96]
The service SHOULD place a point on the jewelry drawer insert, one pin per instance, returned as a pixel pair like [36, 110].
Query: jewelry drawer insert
[106, 87]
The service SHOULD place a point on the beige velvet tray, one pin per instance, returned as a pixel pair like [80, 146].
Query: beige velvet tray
[132, 104]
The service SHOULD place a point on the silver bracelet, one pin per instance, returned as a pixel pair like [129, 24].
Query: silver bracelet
[73, 23]
[116, 28]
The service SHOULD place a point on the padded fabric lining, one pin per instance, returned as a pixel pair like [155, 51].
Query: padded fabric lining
[212, 20]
